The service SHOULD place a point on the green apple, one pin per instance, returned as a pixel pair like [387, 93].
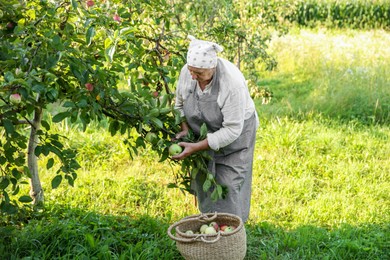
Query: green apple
[189, 232]
[15, 98]
[229, 229]
[203, 228]
[151, 138]
[210, 230]
[175, 149]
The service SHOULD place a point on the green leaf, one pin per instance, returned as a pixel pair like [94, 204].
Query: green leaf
[38, 151]
[107, 43]
[82, 103]
[4, 183]
[203, 131]
[25, 199]
[56, 181]
[155, 112]
[61, 116]
[50, 163]
[8, 76]
[70, 180]
[9, 127]
[51, 61]
[74, 4]
[75, 71]
[172, 185]
[57, 44]
[114, 127]
[90, 34]
[219, 191]
[163, 101]
[214, 195]
[90, 240]
[194, 172]
[206, 185]
[69, 104]
[110, 51]
[157, 122]
[45, 124]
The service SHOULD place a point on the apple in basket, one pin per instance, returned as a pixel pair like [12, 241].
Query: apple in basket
[203, 228]
[222, 227]
[210, 230]
[214, 225]
[189, 232]
[229, 229]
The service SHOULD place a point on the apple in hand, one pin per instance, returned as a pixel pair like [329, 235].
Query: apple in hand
[175, 149]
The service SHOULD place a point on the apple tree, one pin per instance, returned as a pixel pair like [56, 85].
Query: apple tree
[84, 61]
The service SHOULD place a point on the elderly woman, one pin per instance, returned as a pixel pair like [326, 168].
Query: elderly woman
[212, 90]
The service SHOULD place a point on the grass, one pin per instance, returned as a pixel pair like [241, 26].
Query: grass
[340, 74]
[321, 172]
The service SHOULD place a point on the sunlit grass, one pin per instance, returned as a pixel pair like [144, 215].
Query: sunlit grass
[341, 74]
[320, 184]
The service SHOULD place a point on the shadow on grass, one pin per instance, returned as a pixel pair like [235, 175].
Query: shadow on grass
[65, 233]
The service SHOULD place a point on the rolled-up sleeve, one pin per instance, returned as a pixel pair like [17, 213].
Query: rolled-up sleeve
[180, 88]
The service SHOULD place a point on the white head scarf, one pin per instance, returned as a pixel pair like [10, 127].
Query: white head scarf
[202, 54]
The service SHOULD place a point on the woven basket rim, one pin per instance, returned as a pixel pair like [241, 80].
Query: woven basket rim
[203, 217]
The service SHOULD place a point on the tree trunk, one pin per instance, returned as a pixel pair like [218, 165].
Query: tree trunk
[36, 191]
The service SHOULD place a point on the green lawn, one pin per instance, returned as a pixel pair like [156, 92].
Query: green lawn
[321, 171]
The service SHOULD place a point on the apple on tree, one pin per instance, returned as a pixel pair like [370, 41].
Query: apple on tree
[15, 98]
[89, 86]
[117, 18]
[151, 138]
[90, 3]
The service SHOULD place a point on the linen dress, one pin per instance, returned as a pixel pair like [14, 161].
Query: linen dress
[232, 164]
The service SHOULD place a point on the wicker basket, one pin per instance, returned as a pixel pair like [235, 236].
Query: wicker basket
[223, 246]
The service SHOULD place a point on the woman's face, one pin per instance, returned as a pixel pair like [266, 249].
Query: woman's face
[201, 75]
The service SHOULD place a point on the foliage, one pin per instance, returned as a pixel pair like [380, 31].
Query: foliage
[86, 61]
[329, 13]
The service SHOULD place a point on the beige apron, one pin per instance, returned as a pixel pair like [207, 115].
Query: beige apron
[231, 165]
